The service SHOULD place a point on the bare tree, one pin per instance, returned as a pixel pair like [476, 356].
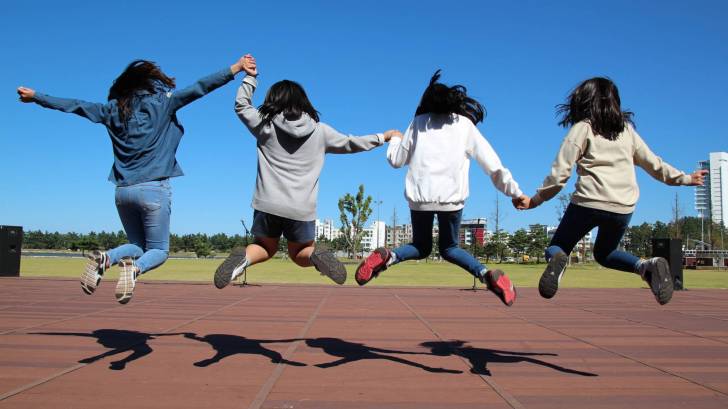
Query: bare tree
[676, 233]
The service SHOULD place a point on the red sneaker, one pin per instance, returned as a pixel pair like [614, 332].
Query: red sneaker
[499, 283]
[372, 265]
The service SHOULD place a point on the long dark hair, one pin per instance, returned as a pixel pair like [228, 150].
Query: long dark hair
[289, 98]
[438, 98]
[138, 75]
[597, 101]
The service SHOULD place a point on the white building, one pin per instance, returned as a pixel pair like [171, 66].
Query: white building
[398, 235]
[711, 199]
[326, 228]
[374, 236]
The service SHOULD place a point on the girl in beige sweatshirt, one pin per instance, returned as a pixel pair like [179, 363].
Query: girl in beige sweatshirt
[605, 147]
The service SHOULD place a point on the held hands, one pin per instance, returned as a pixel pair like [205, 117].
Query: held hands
[391, 133]
[523, 202]
[697, 178]
[245, 63]
[26, 94]
[249, 65]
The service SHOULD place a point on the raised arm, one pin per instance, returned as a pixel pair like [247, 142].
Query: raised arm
[244, 108]
[93, 111]
[480, 150]
[655, 166]
[204, 86]
[571, 150]
[337, 142]
[399, 150]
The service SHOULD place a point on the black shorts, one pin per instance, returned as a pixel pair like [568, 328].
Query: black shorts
[272, 226]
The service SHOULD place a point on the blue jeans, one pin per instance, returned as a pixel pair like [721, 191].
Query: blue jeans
[579, 220]
[421, 245]
[144, 210]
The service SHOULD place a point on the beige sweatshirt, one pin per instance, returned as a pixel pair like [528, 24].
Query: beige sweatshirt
[607, 179]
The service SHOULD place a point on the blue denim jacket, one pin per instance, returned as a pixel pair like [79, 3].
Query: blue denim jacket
[144, 146]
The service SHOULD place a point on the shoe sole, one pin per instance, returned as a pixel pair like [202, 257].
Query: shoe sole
[383, 255]
[224, 273]
[327, 264]
[90, 278]
[661, 282]
[500, 283]
[125, 285]
[548, 285]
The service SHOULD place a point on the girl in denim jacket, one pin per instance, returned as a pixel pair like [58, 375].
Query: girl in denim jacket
[141, 119]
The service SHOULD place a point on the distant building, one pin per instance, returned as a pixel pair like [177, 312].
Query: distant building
[326, 229]
[374, 236]
[473, 231]
[398, 235]
[711, 199]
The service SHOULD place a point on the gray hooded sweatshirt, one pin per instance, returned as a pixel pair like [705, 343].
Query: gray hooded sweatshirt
[291, 156]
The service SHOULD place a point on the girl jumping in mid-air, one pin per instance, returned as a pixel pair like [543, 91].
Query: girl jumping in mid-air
[438, 146]
[291, 145]
[604, 145]
[141, 119]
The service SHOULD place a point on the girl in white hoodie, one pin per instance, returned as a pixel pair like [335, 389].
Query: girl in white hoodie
[438, 146]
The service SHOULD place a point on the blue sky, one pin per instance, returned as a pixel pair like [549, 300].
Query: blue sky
[364, 66]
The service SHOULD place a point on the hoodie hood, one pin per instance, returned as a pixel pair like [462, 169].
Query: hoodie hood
[296, 128]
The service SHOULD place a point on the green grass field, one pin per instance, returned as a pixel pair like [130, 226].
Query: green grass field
[404, 274]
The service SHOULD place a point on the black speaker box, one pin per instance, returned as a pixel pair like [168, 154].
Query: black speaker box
[11, 242]
[670, 250]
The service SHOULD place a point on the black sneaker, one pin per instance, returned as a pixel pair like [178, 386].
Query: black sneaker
[656, 272]
[328, 265]
[551, 277]
[94, 271]
[233, 266]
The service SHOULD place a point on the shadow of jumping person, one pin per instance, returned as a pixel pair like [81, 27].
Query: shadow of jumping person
[226, 345]
[480, 357]
[119, 341]
[351, 351]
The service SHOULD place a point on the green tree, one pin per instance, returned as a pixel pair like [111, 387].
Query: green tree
[202, 248]
[537, 241]
[518, 242]
[354, 213]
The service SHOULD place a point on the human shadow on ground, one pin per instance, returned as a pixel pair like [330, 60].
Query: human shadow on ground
[226, 345]
[119, 341]
[352, 351]
[480, 357]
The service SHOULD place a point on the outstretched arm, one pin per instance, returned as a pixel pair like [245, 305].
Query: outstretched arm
[659, 169]
[204, 86]
[570, 151]
[400, 148]
[480, 150]
[337, 142]
[93, 111]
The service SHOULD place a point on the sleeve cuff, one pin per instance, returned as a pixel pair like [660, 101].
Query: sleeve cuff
[537, 199]
[380, 139]
[250, 80]
[687, 180]
[39, 97]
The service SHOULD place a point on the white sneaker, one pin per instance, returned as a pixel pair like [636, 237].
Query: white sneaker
[94, 271]
[127, 280]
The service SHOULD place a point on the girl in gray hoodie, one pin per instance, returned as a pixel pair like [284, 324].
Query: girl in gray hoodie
[291, 146]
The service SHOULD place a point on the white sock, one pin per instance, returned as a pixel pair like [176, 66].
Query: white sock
[392, 258]
[239, 269]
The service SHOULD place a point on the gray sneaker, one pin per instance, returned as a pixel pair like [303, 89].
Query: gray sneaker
[127, 280]
[656, 272]
[548, 285]
[233, 266]
[328, 265]
[94, 271]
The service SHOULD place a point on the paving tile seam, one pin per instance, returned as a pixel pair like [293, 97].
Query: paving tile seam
[101, 311]
[128, 347]
[644, 323]
[507, 397]
[617, 353]
[267, 387]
